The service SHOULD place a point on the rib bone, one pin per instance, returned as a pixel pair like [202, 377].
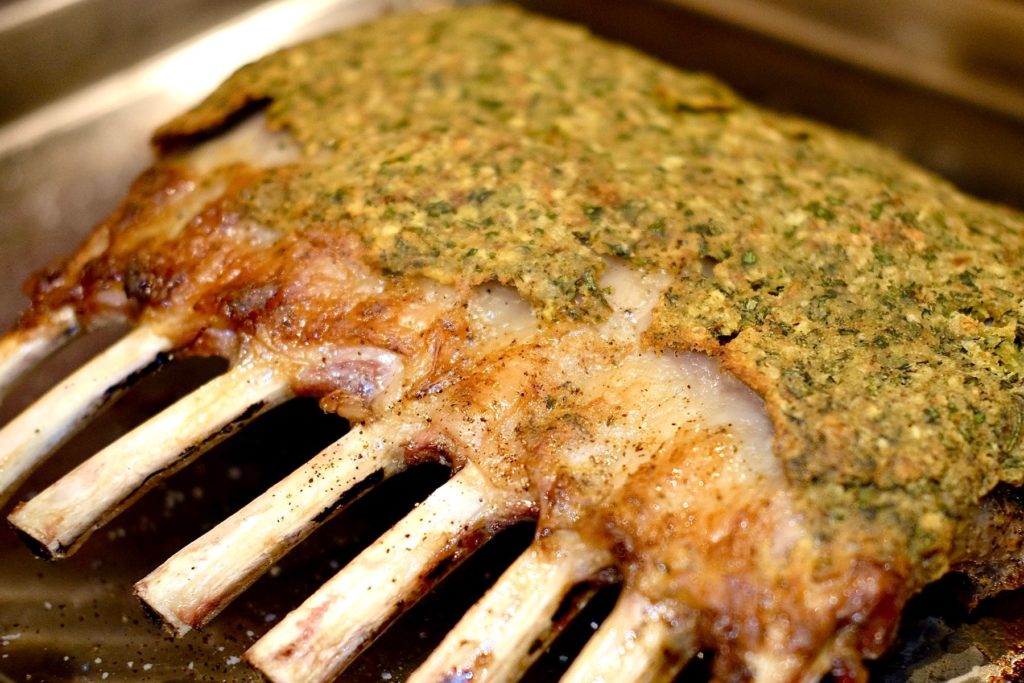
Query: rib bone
[60, 518]
[196, 583]
[58, 414]
[637, 643]
[321, 637]
[508, 628]
[22, 349]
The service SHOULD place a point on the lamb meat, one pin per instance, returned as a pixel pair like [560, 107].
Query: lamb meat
[764, 374]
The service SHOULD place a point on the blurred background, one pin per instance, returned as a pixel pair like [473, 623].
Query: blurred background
[83, 82]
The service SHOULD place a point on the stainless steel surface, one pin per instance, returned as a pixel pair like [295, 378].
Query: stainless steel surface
[967, 49]
[50, 47]
[84, 82]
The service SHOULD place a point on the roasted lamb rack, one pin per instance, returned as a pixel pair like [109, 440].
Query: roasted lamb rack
[765, 375]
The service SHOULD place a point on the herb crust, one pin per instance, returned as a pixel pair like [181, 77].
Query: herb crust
[874, 307]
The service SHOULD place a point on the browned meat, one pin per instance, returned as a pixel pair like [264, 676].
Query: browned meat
[765, 375]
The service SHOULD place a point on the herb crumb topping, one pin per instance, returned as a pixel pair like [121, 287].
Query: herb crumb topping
[875, 308]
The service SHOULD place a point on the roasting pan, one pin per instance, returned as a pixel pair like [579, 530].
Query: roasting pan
[82, 82]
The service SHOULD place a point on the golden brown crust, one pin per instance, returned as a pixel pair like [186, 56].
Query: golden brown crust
[723, 555]
[874, 308]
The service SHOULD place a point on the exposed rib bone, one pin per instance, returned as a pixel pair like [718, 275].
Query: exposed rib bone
[21, 349]
[637, 643]
[40, 429]
[508, 628]
[322, 636]
[61, 517]
[195, 584]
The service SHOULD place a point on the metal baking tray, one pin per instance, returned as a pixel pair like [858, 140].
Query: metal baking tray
[83, 83]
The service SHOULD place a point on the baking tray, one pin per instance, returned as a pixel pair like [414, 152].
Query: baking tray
[83, 83]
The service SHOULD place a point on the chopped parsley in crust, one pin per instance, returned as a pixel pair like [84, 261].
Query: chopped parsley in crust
[874, 307]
